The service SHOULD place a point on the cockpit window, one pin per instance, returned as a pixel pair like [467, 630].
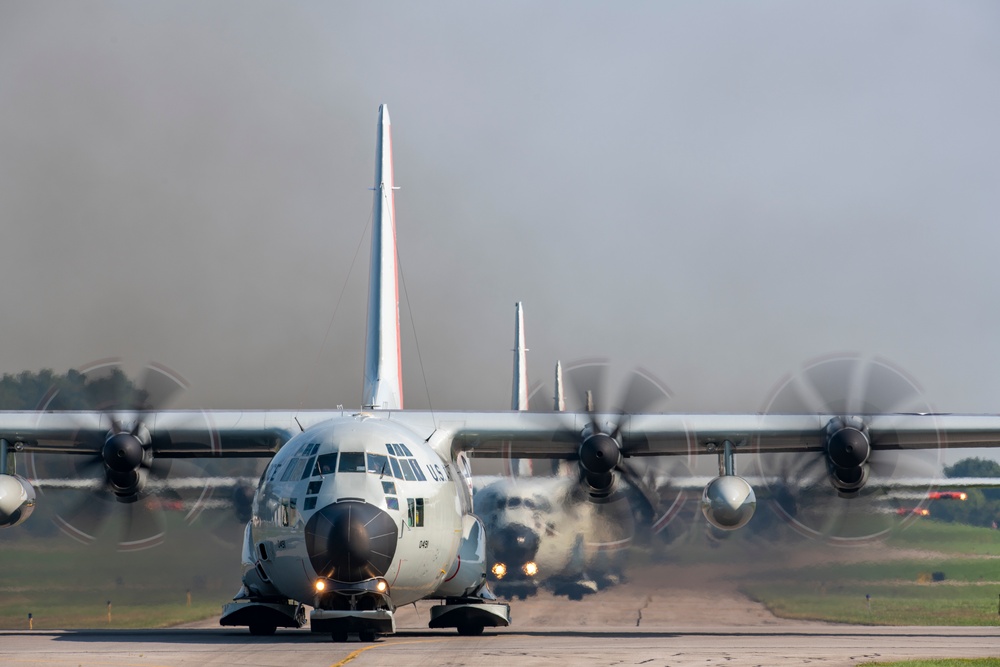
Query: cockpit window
[293, 470]
[351, 462]
[307, 472]
[514, 502]
[396, 472]
[403, 449]
[378, 464]
[326, 464]
[416, 470]
[407, 470]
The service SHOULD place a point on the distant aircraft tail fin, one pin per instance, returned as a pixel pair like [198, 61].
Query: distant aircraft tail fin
[519, 391]
[383, 389]
[559, 398]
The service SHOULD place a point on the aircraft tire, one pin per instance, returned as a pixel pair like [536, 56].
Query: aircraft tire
[367, 634]
[339, 636]
[262, 629]
[470, 629]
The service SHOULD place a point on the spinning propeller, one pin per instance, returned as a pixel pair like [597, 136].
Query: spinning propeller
[116, 474]
[840, 494]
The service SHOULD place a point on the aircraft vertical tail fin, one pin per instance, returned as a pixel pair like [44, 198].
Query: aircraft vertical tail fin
[383, 389]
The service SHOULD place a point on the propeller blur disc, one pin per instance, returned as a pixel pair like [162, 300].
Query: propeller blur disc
[849, 387]
[85, 503]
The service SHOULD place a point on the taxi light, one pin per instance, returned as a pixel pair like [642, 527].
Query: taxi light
[499, 570]
[963, 496]
[381, 585]
[320, 585]
[530, 568]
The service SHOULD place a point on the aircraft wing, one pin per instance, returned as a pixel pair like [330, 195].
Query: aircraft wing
[557, 435]
[175, 434]
[194, 433]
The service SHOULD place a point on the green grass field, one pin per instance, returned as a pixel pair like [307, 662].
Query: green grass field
[950, 662]
[67, 585]
[904, 604]
[954, 581]
[948, 538]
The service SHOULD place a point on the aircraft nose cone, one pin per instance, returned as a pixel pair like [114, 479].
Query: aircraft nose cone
[513, 544]
[351, 541]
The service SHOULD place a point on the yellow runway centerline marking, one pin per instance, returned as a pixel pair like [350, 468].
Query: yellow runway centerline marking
[354, 654]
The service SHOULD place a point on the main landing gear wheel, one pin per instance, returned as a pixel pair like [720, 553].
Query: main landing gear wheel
[470, 629]
[367, 634]
[339, 636]
[262, 629]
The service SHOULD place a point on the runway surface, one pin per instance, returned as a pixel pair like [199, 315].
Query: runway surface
[693, 618]
[736, 647]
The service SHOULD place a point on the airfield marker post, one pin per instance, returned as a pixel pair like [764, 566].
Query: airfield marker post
[31, 622]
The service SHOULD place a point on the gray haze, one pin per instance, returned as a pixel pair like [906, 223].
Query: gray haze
[715, 191]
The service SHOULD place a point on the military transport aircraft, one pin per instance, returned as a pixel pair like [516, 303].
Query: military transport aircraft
[362, 511]
[547, 528]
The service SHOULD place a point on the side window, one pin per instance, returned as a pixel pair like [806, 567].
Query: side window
[415, 512]
[407, 470]
[396, 472]
[290, 470]
[416, 470]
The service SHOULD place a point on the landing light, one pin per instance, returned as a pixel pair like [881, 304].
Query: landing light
[320, 585]
[381, 585]
[530, 568]
[499, 570]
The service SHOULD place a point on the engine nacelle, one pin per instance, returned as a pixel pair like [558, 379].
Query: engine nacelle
[728, 502]
[17, 500]
[848, 448]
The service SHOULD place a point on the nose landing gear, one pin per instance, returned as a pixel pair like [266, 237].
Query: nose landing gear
[340, 632]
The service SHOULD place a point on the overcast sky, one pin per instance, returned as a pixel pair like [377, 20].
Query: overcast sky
[718, 192]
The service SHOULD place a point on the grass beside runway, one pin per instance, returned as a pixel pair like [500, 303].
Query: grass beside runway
[947, 575]
[877, 604]
[63, 584]
[950, 662]
[940, 537]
